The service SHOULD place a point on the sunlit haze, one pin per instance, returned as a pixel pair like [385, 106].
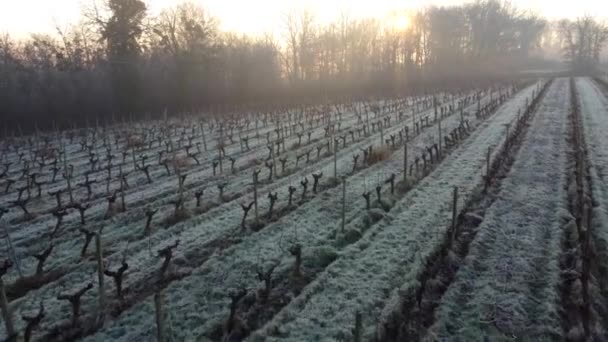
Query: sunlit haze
[255, 17]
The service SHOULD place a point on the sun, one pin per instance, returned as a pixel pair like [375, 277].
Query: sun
[401, 21]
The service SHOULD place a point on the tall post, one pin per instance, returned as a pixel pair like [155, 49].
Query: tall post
[335, 160]
[518, 116]
[69, 176]
[204, 138]
[133, 157]
[343, 203]
[99, 257]
[221, 158]
[461, 114]
[274, 162]
[414, 132]
[6, 313]
[440, 149]
[160, 318]
[454, 208]
[11, 250]
[404, 162]
[435, 106]
[255, 193]
[357, 331]
[488, 156]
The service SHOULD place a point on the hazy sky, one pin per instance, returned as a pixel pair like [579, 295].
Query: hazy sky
[20, 17]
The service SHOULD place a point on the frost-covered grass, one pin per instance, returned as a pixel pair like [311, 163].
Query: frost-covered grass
[194, 233]
[594, 112]
[311, 225]
[508, 285]
[315, 222]
[138, 194]
[367, 273]
[117, 231]
[141, 196]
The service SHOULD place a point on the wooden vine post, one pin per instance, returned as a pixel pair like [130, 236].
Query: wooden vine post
[435, 107]
[462, 114]
[440, 150]
[11, 250]
[204, 138]
[160, 317]
[335, 160]
[221, 157]
[274, 162]
[255, 193]
[101, 287]
[488, 156]
[414, 131]
[343, 203]
[6, 313]
[133, 157]
[357, 331]
[68, 174]
[454, 213]
[404, 161]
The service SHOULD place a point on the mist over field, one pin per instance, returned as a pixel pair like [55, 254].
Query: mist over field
[121, 59]
[303, 171]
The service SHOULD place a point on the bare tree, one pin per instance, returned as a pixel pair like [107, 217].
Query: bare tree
[583, 41]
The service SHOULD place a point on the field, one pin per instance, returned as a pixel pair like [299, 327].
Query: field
[477, 214]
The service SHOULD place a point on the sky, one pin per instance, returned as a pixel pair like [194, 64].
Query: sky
[21, 17]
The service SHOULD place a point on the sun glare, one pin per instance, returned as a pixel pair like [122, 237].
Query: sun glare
[401, 22]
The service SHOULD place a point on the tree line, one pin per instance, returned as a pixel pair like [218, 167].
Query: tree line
[121, 63]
